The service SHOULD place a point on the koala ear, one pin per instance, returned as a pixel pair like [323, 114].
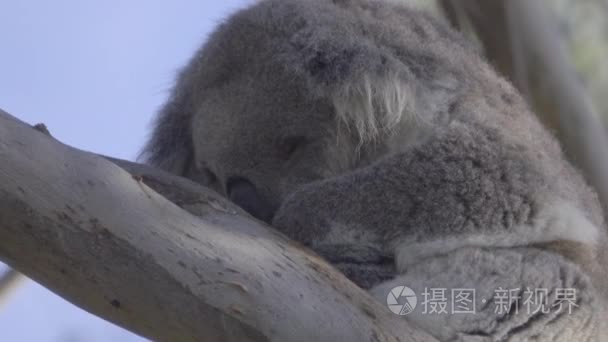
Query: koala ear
[375, 90]
[369, 93]
[374, 104]
[170, 144]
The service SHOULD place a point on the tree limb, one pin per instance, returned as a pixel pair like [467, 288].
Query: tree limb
[8, 282]
[104, 240]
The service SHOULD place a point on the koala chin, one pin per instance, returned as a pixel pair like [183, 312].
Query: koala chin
[381, 139]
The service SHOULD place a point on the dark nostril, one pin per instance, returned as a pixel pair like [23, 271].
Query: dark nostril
[242, 192]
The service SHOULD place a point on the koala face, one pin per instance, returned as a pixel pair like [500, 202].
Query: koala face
[256, 141]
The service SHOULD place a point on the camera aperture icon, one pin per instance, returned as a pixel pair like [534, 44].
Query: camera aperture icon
[401, 300]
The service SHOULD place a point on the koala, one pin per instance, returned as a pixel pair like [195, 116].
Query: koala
[381, 139]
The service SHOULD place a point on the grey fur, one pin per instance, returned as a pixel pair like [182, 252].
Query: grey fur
[380, 138]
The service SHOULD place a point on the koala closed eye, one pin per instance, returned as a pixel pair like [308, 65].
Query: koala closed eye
[289, 146]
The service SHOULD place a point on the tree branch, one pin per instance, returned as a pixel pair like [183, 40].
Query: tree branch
[8, 282]
[106, 241]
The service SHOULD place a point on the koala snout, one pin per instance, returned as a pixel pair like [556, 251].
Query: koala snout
[242, 192]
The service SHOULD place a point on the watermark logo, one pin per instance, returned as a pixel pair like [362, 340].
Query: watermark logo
[401, 300]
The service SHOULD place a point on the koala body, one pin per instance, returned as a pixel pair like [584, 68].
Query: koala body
[379, 138]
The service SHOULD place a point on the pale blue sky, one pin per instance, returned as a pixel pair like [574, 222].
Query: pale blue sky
[94, 72]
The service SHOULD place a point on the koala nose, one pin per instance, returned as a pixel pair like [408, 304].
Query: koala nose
[242, 192]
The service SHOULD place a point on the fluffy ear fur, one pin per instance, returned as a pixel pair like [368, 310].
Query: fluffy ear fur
[374, 87]
[373, 107]
[170, 144]
[169, 148]
[371, 92]
[375, 104]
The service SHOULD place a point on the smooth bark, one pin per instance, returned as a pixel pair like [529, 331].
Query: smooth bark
[105, 240]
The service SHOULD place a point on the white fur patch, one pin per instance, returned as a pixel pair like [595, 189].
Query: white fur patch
[563, 221]
[374, 106]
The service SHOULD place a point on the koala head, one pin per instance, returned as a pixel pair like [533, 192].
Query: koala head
[288, 92]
